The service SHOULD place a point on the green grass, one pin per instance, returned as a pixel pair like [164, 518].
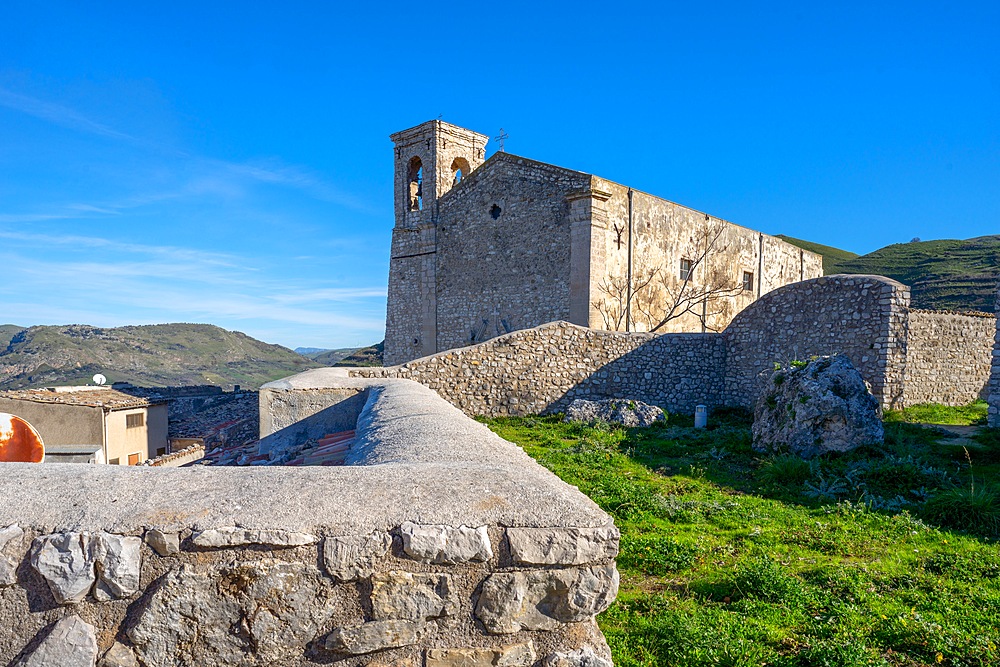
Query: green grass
[733, 558]
[934, 413]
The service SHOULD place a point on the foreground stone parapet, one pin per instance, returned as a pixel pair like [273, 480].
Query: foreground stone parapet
[71, 643]
[444, 544]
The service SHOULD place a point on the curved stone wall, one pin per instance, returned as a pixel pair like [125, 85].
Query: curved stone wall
[441, 542]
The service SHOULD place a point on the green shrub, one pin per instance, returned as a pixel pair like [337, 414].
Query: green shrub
[655, 555]
[784, 470]
[761, 578]
[972, 508]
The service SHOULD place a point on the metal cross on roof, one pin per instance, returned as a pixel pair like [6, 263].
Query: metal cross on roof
[501, 137]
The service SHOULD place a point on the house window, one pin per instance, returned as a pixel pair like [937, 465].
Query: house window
[135, 421]
[133, 459]
[748, 281]
[687, 266]
[160, 451]
[114, 462]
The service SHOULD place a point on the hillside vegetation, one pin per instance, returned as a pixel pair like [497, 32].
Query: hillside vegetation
[883, 557]
[365, 356]
[154, 355]
[8, 331]
[943, 275]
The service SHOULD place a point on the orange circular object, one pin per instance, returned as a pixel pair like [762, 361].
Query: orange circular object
[19, 441]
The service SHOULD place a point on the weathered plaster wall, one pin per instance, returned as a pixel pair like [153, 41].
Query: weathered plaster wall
[543, 369]
[503, 268]
[948, 357]
[58, 423]
[863, 317]
[301, 566]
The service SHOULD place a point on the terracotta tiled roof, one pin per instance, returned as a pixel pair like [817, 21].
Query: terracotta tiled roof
[85, 396]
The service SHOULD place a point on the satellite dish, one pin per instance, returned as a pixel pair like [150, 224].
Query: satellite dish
[19, 441]
[100, 379]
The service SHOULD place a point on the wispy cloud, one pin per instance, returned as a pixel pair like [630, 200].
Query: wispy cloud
[58, 114]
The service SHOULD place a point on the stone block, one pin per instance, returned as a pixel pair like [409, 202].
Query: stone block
[66, 562]
[374, 636]
[71, 643]
[515, 655]
[165, 544]
[562, 546]
[352, 557]
[412, 597]
[444, 544]
[117, 561]
[584, 657]
[118, 655]
[230, 536]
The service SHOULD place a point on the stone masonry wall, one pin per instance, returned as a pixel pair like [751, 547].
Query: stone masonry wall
[994, 389]
[948, 357]
[863, 317]
[297, 566]
[543, 369]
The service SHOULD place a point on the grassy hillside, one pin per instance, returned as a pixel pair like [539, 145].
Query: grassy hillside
[155, 355]
[884, 557]
[832, 257]
[944, 275]
[8, 331]
[331, 357]
[366, 356]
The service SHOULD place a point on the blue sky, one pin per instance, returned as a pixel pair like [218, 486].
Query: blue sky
[229, 163]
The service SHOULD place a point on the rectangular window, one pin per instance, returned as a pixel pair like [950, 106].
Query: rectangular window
[160, 451]
[113, 462]
[748, 281]
[686, 268]
[133, 459]
[134, 421]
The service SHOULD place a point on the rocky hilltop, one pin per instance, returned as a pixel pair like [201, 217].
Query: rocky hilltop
[153, 355]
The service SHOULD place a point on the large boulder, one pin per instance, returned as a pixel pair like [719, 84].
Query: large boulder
[822, 406]
[614, 410]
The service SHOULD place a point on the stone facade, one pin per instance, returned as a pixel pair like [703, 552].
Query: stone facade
[867, 318]
[948, 356]
[994, 389]
[517, 243]
[281, 567]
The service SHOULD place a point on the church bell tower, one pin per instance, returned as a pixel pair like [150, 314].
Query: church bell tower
[429, 160]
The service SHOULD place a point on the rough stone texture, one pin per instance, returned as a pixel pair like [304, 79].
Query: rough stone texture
[541, 600]
[863, 317]
[518, 243]
[819, 408]
[626, 412]
[516, 655]
[117, 564]
[374, 636]
[66, 562]
[71, 643]
[275, 609]
[584, 657]
[444, 544]
[220, 538]
[562, 546]
[544, 369]
[118, 655]
[948, 356]
[412, 597]
[994, 389]
[352, 557]
[11, 535]
[165, 544]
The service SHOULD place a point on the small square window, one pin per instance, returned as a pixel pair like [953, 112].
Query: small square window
[133, 459]
[114, 462]
[135, 420]
[160, 451]
[686, 269]
[748, 281]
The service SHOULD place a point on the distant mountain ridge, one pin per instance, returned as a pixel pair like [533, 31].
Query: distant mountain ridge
[152, 355]
[946, 274]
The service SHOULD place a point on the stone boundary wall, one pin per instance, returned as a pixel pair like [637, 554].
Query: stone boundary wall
[541, 370]
[948, 356]
[994, 389]
[863, 317]
[365, 564]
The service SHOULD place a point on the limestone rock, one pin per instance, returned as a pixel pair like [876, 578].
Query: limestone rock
[10, 534]
[224, 615]
[71, 643]
[412, 597]
[165, 544]
[516, 655]
[217, 538]
[562, 546]
[444, 544]
[615, 410]
[8, 572]
[821, 407]
[545, 599]
[66, 562]
[117, 566]
[118, 655]
[584, 657]
[352, 557]
[374, 636]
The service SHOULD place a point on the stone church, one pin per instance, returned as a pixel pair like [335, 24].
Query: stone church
[484, 247]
